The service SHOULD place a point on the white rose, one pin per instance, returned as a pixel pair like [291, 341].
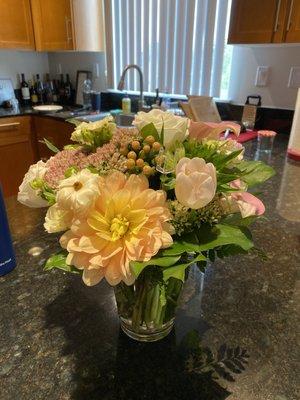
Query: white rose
[175, 127]
[79, 192]
[57, 219]
[196, 182]
[27, 195]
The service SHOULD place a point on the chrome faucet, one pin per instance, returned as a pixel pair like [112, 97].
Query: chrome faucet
[141, 104]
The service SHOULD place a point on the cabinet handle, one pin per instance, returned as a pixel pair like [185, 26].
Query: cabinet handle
[67, 22]
[9, 124]
[289, 23]
[276, 26]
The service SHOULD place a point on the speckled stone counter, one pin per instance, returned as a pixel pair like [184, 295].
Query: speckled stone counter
[61, 340]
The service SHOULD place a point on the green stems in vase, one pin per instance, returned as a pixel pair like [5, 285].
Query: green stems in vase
[147, 308]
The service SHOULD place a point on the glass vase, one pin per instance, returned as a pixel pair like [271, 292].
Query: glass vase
[147, 308]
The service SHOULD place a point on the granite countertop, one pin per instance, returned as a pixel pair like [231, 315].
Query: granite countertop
[61, 340]
[64, 114]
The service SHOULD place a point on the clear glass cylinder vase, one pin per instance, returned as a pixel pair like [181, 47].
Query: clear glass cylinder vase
[147, 308]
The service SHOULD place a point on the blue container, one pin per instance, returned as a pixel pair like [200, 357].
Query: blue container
[7, 255]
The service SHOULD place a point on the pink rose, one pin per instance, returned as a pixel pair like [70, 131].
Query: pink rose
[245, 202]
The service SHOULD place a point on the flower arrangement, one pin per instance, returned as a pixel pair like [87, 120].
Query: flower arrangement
[137, 206]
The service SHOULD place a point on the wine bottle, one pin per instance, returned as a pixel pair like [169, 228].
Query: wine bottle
[7, 255]
[25, 91]
[68, 89]
[61, 89]
[55, 92]
[39, 89]
[33, 95]
[49, 90]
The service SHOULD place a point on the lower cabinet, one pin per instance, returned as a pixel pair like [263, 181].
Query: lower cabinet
[20, 146]
[17, 152]
[57, 132]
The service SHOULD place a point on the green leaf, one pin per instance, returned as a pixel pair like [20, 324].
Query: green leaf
[178, 271]
[255, 172]
[219, 164]
[168, 182]
[150, 130]
[237, 220]
[71, 171]
[221, 235]
[49, 145]
[137, 267]
[180, 247]
[72, 146]
[50, 197]
[59, 261]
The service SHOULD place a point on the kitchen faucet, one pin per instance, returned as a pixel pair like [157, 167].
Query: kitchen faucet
[141, 104]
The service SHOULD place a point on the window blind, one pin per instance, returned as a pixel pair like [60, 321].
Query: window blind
[179, 44]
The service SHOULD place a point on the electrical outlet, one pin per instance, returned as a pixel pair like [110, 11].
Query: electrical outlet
[262, 75]
[294, 78]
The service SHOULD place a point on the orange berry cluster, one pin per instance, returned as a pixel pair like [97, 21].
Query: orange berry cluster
[142, 155]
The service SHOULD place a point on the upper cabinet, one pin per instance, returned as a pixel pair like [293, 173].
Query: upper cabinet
[52, 21]
[16, 31]
[292, 34]
[52, 25]
[267, 21]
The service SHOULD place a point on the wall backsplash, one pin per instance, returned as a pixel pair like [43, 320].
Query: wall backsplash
[280, 59]
[71, 62]
[13, 63]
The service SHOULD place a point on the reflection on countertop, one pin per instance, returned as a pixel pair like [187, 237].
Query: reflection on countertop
[61, 340]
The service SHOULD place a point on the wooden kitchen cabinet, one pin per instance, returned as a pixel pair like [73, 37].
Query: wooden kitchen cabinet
[17, 152]
[252, 21]
[16, 30]
[267, 21]
[292, 33]
[52, 21]
[57, 132]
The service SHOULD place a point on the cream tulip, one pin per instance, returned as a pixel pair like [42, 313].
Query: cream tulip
[196, 182]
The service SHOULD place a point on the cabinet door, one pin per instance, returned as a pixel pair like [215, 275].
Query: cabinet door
[16, 30]
[293, 22]
[57, 132]
[52, 21]
[252, 21]
[17, 152]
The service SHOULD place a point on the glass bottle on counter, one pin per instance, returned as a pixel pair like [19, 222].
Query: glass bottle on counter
[25, 91]
[61, 89]
[33, 95]
[39, 89]
[68, 89]
[48, 90]
[55, 92]
[86, 94]
[7, 255]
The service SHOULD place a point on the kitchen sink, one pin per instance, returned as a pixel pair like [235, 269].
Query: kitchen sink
[92, 117]
[121, 119]
[124, 119]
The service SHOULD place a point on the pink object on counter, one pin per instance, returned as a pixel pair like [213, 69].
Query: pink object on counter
[293, 154]
[267, 133]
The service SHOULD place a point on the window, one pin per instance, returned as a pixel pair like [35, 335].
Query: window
[179, 44]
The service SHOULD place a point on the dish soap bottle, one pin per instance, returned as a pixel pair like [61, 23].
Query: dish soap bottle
[7, 255]
[126, 104]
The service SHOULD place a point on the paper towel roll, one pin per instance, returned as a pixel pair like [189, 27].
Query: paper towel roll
[294, 142]
[289, 195]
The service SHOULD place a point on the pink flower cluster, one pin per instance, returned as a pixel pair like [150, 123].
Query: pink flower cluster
[58, 164]
[107, 157]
